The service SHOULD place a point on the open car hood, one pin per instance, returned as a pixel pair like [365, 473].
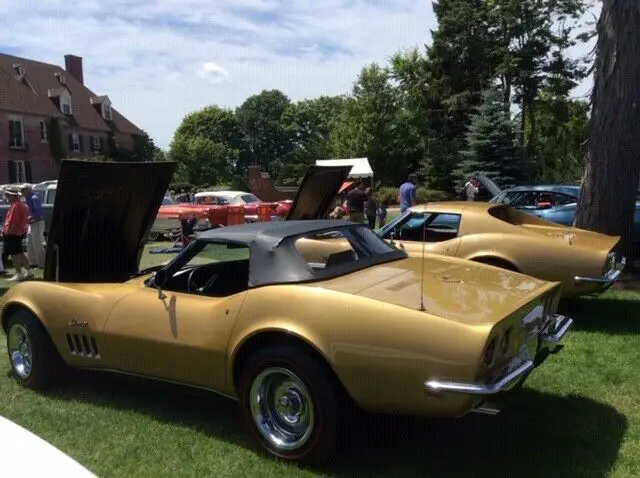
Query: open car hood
[317, 192]
[101, 217]
[489, 184]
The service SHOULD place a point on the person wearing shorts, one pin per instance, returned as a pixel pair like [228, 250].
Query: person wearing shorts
[16, 225]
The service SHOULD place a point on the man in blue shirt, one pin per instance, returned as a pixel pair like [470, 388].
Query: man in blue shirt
[35, 240]
[407, 193]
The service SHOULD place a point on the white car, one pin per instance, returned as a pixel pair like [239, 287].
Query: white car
[31, 456]
[233, 198]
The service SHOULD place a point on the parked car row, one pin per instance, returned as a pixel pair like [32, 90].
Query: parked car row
[301, 321]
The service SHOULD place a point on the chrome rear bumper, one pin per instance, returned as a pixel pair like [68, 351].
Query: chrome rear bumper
[606, 280]
[515, 370]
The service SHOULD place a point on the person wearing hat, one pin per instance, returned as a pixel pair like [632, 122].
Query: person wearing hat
[16, 224]
[35, 240]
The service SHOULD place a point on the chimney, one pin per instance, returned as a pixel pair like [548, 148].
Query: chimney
[73, 65]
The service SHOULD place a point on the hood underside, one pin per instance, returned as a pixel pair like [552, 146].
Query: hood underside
[317, 192]
[101, 217]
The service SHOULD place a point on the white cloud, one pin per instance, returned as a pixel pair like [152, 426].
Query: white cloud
[160, 59]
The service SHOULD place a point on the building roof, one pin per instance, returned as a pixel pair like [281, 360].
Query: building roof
[32, 96]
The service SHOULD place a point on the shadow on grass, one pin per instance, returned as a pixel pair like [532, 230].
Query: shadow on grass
[537, 435]
[608, 315]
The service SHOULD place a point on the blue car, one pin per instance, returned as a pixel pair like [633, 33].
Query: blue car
[553, 202]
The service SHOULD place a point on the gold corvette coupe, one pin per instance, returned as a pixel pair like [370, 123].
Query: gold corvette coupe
[253, 313]
[495, 234]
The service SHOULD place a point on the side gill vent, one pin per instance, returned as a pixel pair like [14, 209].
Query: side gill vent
[83, 346]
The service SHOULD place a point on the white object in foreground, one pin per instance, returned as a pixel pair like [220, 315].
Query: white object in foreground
[27, 455]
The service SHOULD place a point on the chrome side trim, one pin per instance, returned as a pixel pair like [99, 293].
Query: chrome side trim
[607, 279]
[436, 386]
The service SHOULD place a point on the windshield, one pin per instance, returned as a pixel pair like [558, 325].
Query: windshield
[167, 200]
[216, 200]
[249, 198]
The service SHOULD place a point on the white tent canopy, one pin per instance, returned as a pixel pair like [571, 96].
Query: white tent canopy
[360, 167]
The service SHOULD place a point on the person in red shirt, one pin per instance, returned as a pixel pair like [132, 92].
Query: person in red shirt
[16, 225]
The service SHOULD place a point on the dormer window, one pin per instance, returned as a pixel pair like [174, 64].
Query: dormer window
[106, 111]
[65, 105]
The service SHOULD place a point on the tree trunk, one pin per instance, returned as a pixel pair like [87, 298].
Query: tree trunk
[612, 158]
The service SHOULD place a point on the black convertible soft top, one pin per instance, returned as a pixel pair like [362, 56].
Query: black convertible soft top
[275, 260]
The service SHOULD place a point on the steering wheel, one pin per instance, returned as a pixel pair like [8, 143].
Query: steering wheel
[193, 287]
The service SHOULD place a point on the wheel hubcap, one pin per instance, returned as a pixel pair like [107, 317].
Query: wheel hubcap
[20, 350]
[282, 408]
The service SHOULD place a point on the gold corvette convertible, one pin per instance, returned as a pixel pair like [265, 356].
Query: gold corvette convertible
[252, 313]
[495, 234]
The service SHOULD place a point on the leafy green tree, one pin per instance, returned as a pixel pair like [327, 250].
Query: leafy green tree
[492, 149]
[530, 43]
[145, 150]
[562, 135]
[460, 65]
[219, 126]
[370, 126]
[201, 160]
[310, 124]
[267, 137]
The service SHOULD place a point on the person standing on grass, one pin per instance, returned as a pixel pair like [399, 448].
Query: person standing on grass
[35, 240]
[471, 189]
[356, 199]
[382, 214]
[371, 208]
[15, 229]
[407, 193]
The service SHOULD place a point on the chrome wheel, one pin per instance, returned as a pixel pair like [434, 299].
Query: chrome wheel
[20, 350]
[282, 408]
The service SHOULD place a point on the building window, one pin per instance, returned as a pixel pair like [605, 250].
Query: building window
[19, 171]
[65, 105]
[107, 112]
[75, 143]
[16, 133]
[43, 132]
[95, 144]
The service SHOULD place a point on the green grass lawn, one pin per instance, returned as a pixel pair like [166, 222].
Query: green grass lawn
[579, 415]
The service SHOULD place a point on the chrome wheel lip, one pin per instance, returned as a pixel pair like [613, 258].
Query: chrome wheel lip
[20, 350]
[282, 409]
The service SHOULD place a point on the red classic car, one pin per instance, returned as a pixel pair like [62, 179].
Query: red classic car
[248, 201]
[212, 209]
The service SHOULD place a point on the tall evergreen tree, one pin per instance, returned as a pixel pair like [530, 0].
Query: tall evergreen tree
[492, 148]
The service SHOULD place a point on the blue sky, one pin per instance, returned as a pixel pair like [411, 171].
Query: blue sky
[160, 59]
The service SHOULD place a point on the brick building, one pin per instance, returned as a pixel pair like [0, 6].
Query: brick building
[47, 112]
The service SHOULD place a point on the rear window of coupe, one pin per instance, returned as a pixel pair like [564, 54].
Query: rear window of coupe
[327, 251]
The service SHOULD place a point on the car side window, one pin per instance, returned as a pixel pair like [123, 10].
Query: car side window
[562, 199]
[442, 227]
